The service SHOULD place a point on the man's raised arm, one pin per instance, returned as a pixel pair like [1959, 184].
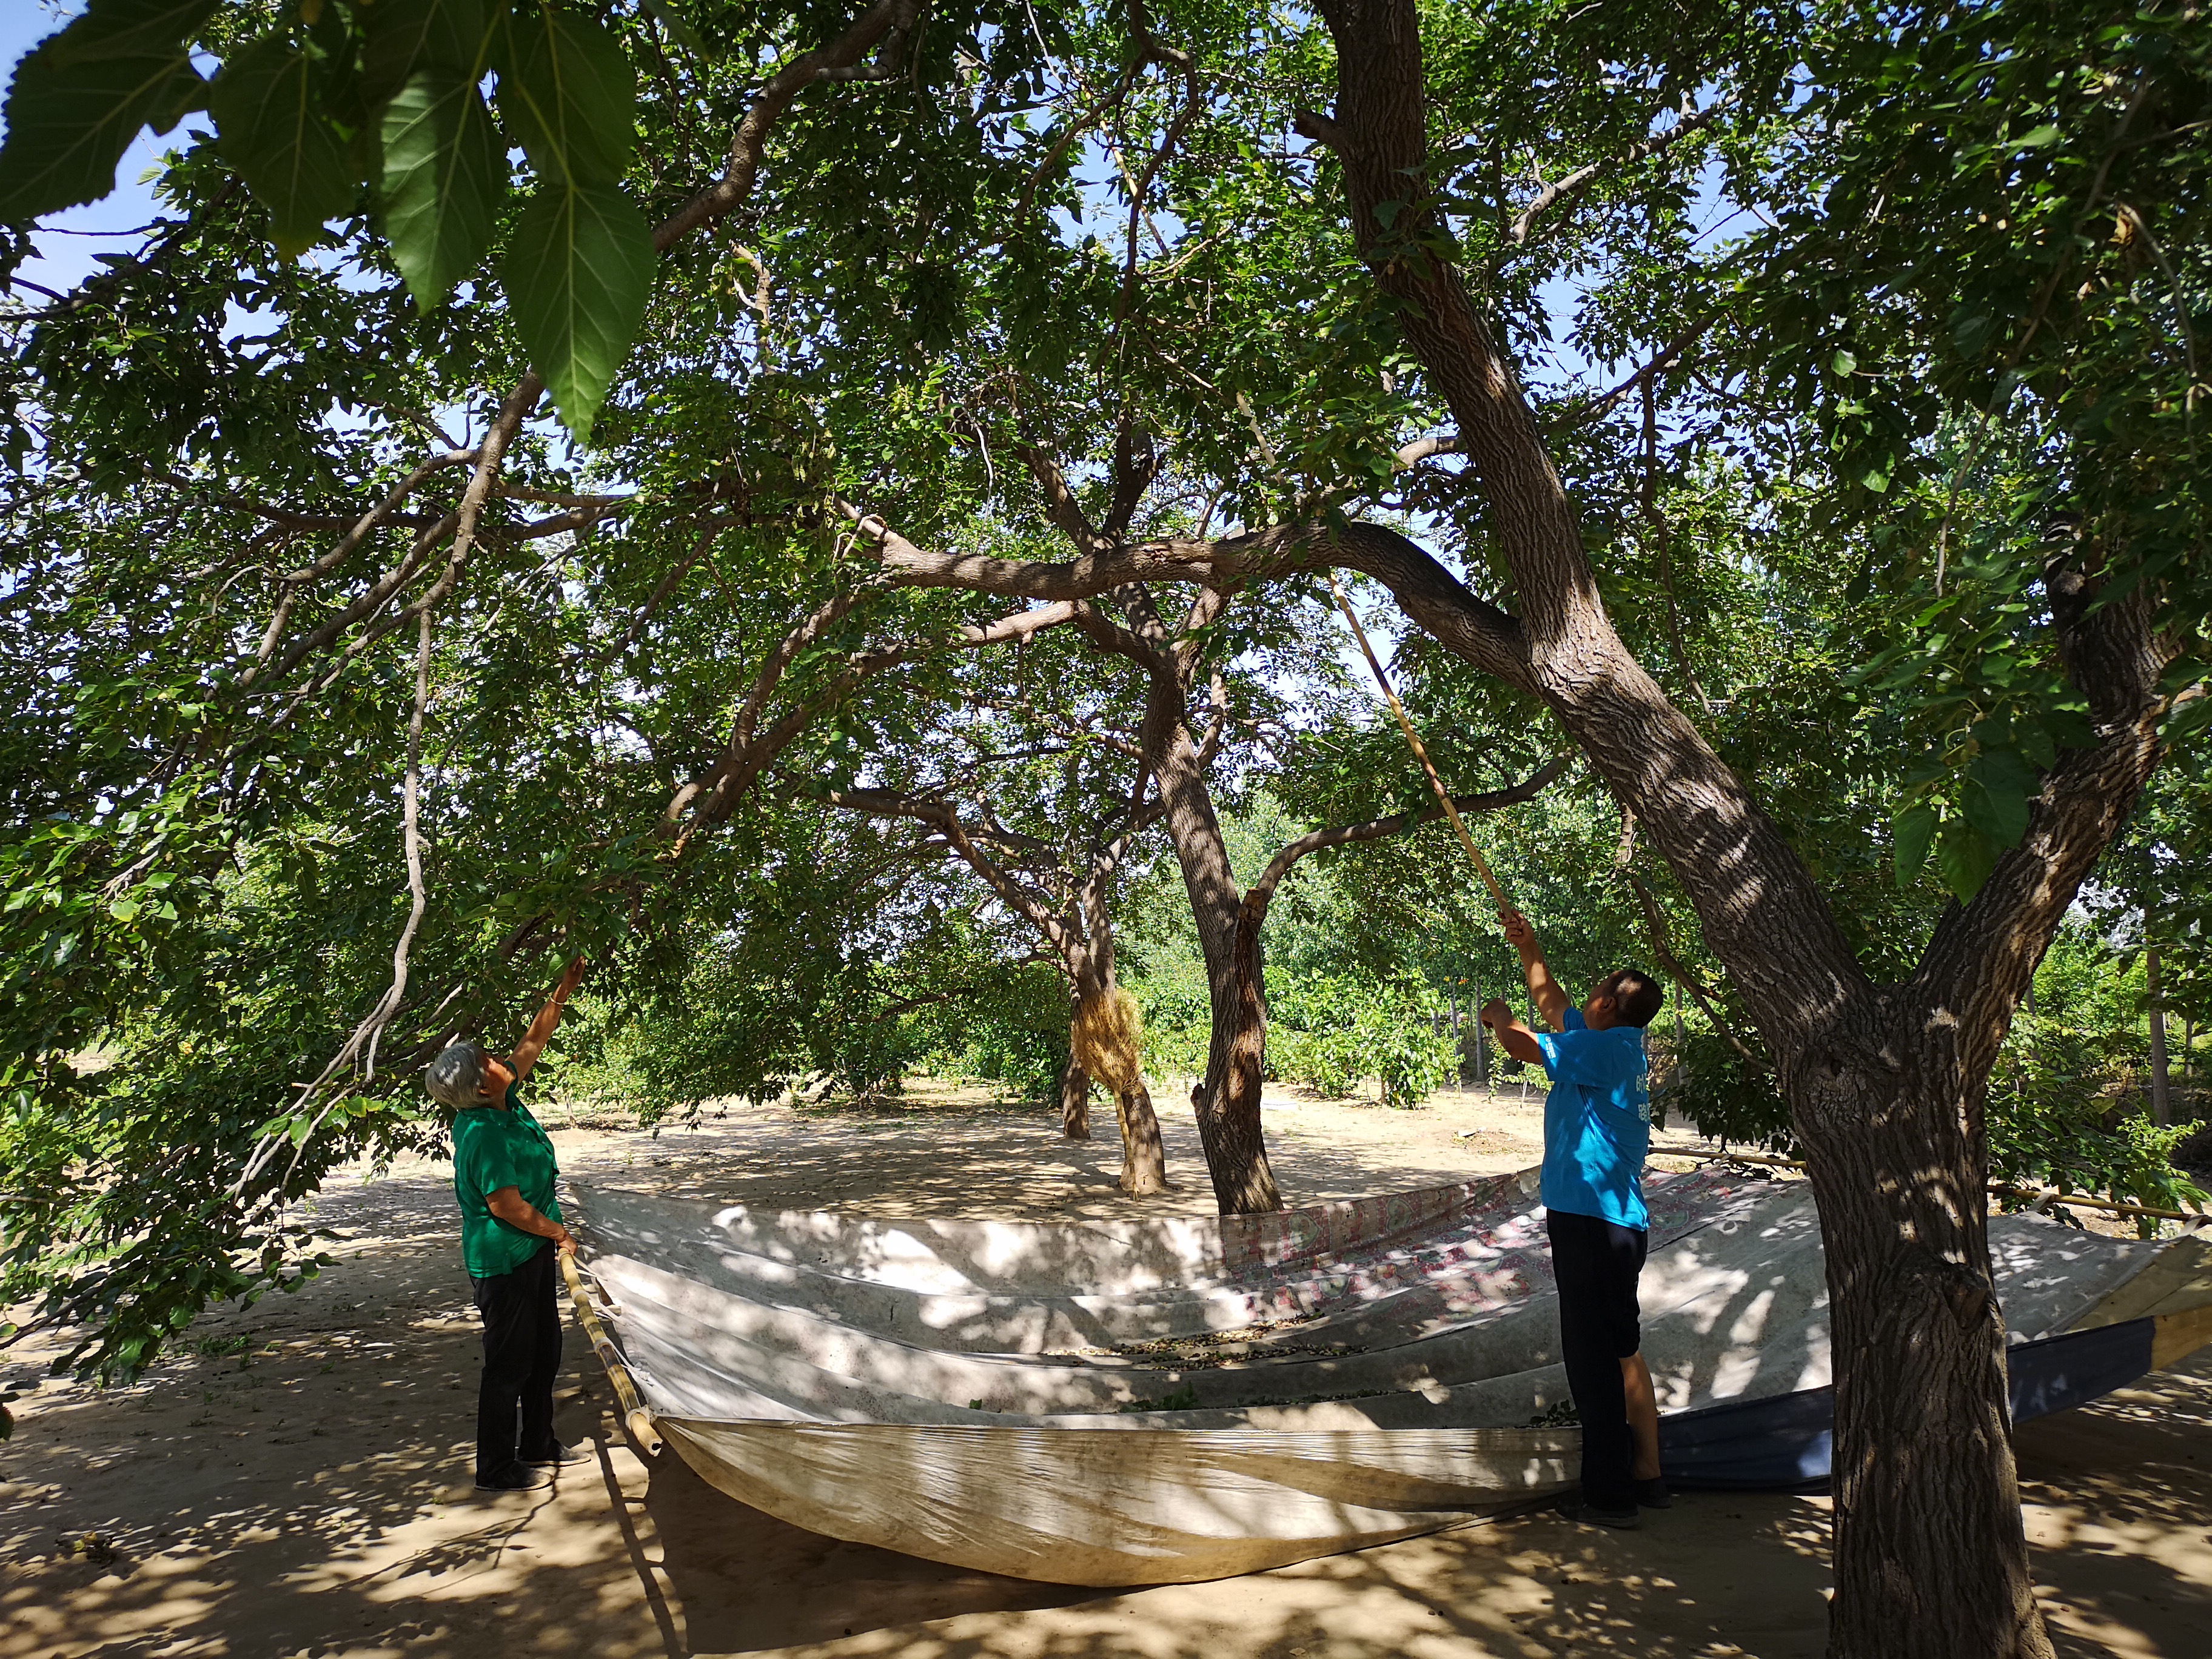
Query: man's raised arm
[1551, 1000]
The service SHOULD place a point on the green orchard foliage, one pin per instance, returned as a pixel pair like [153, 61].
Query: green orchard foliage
[1998, 349]
[1873, 258]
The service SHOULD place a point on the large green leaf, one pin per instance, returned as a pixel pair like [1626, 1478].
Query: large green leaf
[69, 122]
[1913, 831]
[578, 272]
[445, 175]
[128, 28]
[1965, 856]
[569, 96]
[1998, 788]
[404, 37]
[270, 126]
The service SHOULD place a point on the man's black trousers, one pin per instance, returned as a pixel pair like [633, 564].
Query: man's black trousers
[522, 1358]
[1596, 1264]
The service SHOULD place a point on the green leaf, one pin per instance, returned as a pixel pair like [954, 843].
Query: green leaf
[1844, 363]
[69, 123]
[128, 28]
[578, 272]
[1913, 831]
[1996, 793]
[1965, 856]
[404, 37]
[445, 175]
[270, 126]
[570, 99]
[2037, 139]
[2187, 719]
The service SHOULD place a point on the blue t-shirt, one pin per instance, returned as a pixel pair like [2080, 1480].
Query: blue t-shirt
[1597, 1121]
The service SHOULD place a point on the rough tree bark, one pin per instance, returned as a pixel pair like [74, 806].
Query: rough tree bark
[1886, 1084]
[1229, 1127]
[1074, 1100]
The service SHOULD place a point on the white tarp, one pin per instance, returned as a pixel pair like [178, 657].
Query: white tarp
[1148, 1401]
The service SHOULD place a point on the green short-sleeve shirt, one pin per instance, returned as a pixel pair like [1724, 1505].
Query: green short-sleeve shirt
[494, 1149]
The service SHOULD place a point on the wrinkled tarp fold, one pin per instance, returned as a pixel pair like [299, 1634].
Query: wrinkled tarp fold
[1146, 1401]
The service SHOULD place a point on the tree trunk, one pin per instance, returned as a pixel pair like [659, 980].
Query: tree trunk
[1229, 1128]
[1143, 1159]
[2161, 1085]
[1886, 1086]
[1227, 1104]
[1074, 1100]
[1237, 1067]
[1931, 1555]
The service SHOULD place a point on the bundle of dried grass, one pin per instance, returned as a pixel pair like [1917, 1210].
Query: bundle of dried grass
[1107, 1034]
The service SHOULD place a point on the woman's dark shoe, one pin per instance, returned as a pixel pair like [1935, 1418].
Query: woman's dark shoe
[1652, 1494]
[513, 1478]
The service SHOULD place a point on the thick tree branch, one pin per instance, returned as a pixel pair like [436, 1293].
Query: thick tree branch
[1431, 594]
[1060, 505]
[768, 108]
[1984, 953]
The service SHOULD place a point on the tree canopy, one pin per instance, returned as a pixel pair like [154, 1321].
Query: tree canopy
[549, 466]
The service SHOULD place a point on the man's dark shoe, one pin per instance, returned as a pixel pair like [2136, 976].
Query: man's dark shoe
[554, 1458]
[513, 1478]
[1652, 1494]
[1590, 1514]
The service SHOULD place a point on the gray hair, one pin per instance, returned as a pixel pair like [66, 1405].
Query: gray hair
[456, 1078]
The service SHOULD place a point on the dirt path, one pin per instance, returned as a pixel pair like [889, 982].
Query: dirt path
[298, 1483]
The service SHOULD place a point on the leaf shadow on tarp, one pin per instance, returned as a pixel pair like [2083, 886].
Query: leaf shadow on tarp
[233, 1551]
[1745, 1573]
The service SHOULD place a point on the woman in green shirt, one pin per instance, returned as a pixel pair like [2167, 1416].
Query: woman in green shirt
[511, 1230]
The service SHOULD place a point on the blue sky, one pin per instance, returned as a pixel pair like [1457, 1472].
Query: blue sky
[66, 255]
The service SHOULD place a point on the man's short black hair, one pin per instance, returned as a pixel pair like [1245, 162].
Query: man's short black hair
[1637, 997]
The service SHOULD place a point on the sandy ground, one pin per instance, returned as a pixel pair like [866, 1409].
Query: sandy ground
[296, 1484]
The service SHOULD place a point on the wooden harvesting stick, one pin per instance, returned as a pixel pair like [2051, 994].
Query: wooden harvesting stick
[1420, 754]
[635, 1418]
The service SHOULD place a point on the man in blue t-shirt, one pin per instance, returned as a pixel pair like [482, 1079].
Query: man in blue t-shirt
[1597, 1128]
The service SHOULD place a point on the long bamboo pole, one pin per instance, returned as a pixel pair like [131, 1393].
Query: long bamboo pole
[1420, 752]
[635, 1418]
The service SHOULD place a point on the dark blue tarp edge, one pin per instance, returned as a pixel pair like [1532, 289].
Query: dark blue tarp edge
[1785, 1442]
